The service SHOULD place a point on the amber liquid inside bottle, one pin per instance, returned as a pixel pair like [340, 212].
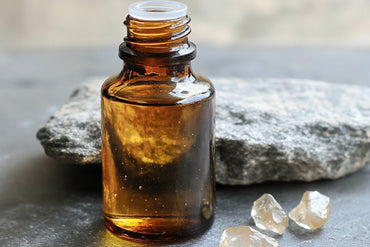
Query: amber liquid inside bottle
[158, 145]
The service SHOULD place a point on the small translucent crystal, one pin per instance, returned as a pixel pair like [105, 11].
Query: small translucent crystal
[245, 236]
[313, 211]
[269, 215]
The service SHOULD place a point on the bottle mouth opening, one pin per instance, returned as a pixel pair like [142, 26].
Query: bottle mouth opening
[156, 10]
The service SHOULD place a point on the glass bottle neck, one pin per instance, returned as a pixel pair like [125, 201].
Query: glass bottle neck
[172, 70]
[157, 43]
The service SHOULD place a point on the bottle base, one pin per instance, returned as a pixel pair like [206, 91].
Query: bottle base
[157, 229]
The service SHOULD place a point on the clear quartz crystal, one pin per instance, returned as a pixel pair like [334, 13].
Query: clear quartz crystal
[269, 215]
[245, 236]
[313, 211]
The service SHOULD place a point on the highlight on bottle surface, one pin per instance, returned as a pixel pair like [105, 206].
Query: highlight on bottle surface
[158, 131]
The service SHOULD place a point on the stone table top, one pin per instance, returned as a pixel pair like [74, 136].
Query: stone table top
[47, 203]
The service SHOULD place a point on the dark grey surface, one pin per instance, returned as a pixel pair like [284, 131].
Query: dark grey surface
[46, 203]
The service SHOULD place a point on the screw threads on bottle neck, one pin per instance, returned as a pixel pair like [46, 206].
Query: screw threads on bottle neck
[157, 36]
[157, 41]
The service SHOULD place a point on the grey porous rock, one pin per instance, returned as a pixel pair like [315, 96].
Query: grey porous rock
[266, 129]
[72, 134]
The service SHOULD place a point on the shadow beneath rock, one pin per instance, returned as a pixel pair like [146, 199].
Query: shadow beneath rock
[302, 233]
[41, 179]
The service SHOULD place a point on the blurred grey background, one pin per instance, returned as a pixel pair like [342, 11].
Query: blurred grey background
[49, 24]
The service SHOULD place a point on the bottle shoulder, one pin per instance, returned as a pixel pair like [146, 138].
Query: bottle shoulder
[158, 90]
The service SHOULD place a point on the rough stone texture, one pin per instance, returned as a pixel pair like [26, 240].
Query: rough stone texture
[286, 130]
[72, 134]
[269, 215]
[313, 210]
[245, 236]
[266, 130]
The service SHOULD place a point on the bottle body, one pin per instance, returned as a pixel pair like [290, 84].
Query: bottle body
[158, 154]
[158, 131]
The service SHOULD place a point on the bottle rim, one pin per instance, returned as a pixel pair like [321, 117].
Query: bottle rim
[156, 10]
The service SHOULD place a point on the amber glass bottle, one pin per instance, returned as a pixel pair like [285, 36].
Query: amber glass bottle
[158, 131]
